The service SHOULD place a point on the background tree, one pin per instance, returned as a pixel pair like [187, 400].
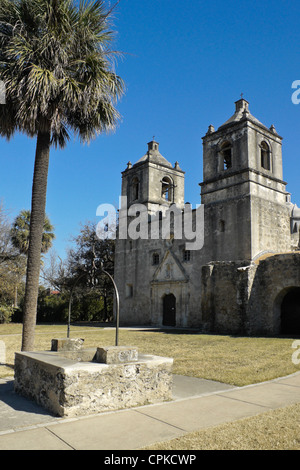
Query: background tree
[56, 63]
[92, 298]
[53, 272]
[21, 230]
[12, 269]
[85, 261]
[20, 233]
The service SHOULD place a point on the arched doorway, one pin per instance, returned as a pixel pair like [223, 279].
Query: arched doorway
[169, 310]
[290, 312]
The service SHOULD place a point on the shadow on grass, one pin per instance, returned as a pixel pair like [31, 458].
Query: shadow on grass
[173, 330]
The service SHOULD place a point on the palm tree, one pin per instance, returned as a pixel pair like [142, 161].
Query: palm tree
[21, 229]
[57, 67]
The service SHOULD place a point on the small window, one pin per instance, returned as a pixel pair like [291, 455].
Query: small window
[186, 255]
[166, 189]
[226, 152]
[129, 290]
[222, 225]
[155, 259]
[135, 185]
[265, 156]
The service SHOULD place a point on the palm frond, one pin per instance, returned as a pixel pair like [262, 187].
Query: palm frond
[56, 63]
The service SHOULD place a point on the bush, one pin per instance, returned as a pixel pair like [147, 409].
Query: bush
[86, 306]
[52, 308]
[6, 312]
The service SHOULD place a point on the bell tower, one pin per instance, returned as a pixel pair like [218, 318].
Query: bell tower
[242, 191]
[153, 181]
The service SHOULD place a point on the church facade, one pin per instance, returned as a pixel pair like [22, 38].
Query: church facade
[244, 278]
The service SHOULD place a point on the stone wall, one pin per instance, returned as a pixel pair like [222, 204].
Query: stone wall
[142, 284]
[246, 214]
[225, 293]
[69, 387]
[270, 226]
[247, 299]
[274, 277]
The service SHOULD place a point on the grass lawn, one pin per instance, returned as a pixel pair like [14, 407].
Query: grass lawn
[228, 359]
[272, 430]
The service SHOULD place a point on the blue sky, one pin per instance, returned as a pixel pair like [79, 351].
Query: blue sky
[185, 63]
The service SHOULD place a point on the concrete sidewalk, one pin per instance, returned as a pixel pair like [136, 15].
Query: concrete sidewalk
[197, 404]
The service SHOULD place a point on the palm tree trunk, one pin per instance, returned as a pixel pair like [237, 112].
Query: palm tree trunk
[38, 207]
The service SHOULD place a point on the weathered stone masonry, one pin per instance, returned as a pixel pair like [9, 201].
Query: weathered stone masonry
[245, 279]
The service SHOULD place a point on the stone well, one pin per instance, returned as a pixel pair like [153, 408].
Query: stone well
[72, 381]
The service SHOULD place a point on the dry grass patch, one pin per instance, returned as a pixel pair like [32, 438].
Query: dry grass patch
[273, 430]
[233, 360]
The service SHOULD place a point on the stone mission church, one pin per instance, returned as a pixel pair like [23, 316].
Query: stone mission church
[246, 277]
